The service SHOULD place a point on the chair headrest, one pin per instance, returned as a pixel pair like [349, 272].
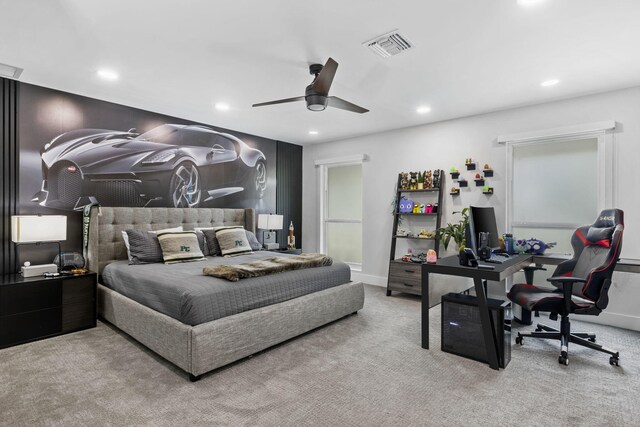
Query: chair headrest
[609, 218]
[599, 236]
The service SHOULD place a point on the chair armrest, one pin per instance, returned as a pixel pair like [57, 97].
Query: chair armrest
[566, 279]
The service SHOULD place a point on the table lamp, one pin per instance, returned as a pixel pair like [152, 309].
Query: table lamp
[39, 229]
[270, 223]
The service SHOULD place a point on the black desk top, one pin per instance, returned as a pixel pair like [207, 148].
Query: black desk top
[17, 278]
[451, 266]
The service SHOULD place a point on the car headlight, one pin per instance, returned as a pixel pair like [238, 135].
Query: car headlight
[163, 157]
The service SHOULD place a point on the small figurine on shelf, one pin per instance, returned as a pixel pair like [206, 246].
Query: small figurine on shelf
[487, 167]
[454, 191]
[423, 234]
[432, 256]
[436, 178]
[404, 181]
[416, 208]
[422, 208]
[402, 232]
[413, 181]
[453, 170]
[428, 179]
[487, 190]
[428, 208]
[420, 181]
[468, 161]
[478, 176]
[406, 205]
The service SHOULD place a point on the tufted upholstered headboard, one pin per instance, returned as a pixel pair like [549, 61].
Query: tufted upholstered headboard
[106, 224]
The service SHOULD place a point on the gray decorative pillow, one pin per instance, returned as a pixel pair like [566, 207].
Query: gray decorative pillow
[253, 241]
[180, 246]
[201, 241]
[144, 247]
[213, 247]
[233, 241]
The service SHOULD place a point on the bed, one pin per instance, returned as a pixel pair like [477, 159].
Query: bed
[199, 346]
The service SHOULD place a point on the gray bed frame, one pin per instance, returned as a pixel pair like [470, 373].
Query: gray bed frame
[202, 348]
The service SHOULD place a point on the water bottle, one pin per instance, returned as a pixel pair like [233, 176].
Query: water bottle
[508, 243]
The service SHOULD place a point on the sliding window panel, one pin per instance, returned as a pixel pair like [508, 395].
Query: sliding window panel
[555, 184]
[344, 242]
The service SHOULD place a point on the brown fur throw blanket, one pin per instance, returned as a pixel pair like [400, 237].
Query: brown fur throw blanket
[235, 272]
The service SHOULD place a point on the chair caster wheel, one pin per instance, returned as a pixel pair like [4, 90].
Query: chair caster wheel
[563, 360]
[614, 361]
[519, 340]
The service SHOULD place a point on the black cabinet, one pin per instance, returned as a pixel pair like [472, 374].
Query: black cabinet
[38, 307]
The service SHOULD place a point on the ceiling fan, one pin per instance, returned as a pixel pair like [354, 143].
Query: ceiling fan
[317, 93]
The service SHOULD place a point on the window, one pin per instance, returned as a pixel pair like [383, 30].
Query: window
[554, 189]
[341, 212]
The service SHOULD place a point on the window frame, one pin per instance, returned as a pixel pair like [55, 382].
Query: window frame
[323, 181]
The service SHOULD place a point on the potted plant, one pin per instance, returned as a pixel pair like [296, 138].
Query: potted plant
[455, 231]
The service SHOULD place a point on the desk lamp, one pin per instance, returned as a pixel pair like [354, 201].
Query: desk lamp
[270, 223]
[39, 229]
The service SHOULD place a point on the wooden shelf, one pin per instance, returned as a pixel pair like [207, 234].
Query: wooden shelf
[414, 237]
[425, 190]
[421, 214]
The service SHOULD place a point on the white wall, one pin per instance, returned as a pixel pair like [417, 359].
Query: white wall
[446, 144]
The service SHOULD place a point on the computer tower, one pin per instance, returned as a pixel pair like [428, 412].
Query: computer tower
[462, 328]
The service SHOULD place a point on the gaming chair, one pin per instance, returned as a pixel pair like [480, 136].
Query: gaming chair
[581, 285]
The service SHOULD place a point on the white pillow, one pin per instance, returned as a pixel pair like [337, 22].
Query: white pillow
[125, 237]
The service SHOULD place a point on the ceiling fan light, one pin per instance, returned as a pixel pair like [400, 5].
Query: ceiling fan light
[316, 102]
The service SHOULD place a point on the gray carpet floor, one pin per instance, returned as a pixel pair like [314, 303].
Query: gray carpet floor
[364, 370]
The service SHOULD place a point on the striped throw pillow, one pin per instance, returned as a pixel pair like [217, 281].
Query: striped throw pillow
[180, 246]
[232, 241]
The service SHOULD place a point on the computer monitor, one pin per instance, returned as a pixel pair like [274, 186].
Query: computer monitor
[482, 220]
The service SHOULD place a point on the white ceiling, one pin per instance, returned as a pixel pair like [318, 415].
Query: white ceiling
[180, 57]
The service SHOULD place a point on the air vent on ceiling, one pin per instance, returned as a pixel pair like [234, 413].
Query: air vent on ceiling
[389, 44]
[10, 71]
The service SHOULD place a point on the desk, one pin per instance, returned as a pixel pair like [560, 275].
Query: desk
[451, 266]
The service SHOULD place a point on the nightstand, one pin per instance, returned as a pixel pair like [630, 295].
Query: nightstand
[287, 251]
[40, 307]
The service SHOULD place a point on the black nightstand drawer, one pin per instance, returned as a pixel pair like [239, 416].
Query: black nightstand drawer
[24, 327]
[78, 289]
[78, 316]
[22, 298]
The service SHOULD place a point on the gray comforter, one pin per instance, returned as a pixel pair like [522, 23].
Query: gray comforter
[181, 290]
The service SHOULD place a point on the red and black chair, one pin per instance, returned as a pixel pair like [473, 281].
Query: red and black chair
[581, 285]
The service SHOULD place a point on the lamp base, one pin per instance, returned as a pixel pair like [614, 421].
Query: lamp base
[38, 270]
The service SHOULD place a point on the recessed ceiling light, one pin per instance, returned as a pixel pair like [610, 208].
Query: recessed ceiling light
[423, 109]
[313, 132]
[551, 82]
[108, 75]
[222, 106]
[529, 2]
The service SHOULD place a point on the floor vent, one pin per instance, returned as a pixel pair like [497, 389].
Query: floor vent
[389, 44]
[10, 71]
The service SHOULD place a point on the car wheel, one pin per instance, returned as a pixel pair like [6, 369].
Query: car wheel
[184, 187]
[260, 181]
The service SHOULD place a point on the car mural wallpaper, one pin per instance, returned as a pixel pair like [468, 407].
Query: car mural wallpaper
[76, 151]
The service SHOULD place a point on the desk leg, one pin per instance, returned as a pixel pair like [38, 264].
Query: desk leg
[487, 325]
[425, 309]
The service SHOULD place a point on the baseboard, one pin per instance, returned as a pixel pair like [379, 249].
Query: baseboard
[358, 276]
[613, 319]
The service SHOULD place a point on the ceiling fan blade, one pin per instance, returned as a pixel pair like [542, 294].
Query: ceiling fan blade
[336, 102]
[322, 83]
[280, 101]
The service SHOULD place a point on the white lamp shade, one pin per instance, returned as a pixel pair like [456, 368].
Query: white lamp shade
[270, 221]
[38, 228]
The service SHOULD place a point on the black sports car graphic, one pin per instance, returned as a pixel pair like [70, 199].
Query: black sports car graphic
[180, 165]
